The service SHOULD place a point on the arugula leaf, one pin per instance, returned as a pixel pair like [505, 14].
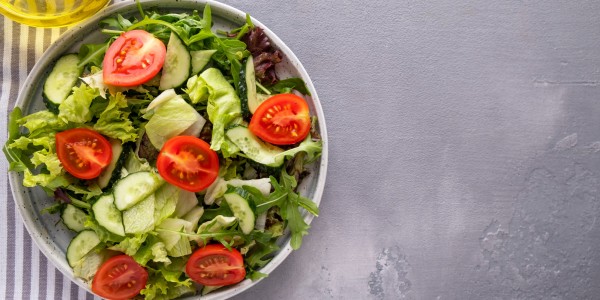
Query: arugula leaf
[211, 213]
[265, 245]
[286, 86]
[288, 202]
[91, 55]
[296, 224]
[205, 24]
[241, 31]
[221, 229]
[117, 22]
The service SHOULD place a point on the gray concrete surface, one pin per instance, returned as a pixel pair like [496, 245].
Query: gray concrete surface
[464, 149]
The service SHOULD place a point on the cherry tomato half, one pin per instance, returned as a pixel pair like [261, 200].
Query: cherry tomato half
[214, 265]
[83, 152]
[283, 119]
[188, 162]
[133, 58]
[120, 277]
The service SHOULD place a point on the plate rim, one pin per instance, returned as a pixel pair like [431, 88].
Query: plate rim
[42, 238]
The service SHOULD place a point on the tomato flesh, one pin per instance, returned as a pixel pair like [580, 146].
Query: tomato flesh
[120, 277]
[83, 152]
[214, 265]
[283, 119]
[133, 58]
[188, 162]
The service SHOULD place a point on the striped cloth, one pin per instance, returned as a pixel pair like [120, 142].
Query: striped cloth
[25, 273]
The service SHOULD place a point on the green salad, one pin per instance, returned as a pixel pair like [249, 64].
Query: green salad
[173, 152]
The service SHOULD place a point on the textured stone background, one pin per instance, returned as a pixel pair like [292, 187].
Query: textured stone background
[464, 149]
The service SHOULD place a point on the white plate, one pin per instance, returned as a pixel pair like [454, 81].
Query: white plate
[53, 239]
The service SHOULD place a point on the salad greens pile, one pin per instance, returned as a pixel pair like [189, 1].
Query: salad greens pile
[162, 230]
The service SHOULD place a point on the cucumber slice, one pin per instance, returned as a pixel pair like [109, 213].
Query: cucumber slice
[112, 172]
[176, 68]
[73, 218]
[247, 87]
[254, 148]
[134, 188]
[250, 80]
[200, 59]
[81, 245]
[107, 215]
[140, 218]
[61, 81]
[241, 210]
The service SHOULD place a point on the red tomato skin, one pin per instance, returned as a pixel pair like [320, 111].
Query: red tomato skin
[233, 261]
[68, 138]
[133, 58]
[101, 284]
[283, 119]
[190, 152]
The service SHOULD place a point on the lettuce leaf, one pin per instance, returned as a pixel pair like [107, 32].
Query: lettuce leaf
[164, 282]
[177, 245]
[223, 107]
[171, 118]
[166, 198]
[36, 150]
[130, 245]
[197, 90]
[114, 121]
[76, 108]
[152, 249]
[42, 123]
[312, 148]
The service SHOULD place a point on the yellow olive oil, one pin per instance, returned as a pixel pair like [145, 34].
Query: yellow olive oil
[50, 13]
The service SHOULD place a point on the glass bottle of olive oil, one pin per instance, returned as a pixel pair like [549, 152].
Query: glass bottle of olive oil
[50, 13]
